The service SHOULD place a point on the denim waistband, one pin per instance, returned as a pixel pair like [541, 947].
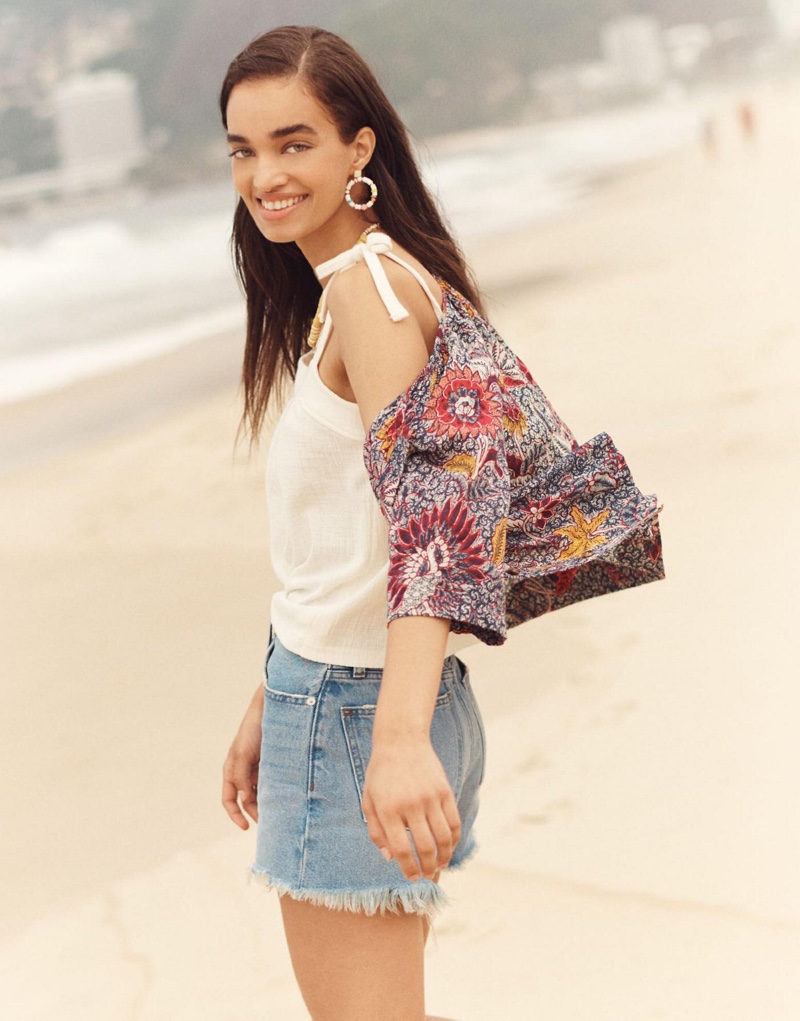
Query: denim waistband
[453, 668]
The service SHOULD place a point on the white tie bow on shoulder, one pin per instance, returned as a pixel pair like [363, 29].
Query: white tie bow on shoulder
[368, 250]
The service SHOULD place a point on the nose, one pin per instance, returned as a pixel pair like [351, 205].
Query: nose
[268, 175]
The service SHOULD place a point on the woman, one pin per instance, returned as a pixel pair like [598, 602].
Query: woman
[362, 753]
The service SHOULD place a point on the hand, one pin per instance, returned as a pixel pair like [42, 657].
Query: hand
[406, 787]
[240, 771]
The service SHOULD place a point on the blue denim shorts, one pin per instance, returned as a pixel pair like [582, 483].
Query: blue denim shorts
[312, 841]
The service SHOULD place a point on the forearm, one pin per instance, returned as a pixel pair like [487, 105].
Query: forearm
[415, 653]
[257, 701]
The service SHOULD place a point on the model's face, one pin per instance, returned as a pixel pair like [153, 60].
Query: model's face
[289, 164]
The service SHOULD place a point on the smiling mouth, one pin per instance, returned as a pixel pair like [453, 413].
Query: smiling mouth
[273, 207]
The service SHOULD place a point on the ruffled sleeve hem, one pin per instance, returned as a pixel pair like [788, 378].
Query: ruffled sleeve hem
[472, 606]
[581, 528]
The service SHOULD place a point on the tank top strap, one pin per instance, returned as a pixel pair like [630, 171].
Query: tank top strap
[369, 250]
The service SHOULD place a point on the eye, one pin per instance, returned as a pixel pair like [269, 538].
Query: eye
[239, 154]
[297, 147]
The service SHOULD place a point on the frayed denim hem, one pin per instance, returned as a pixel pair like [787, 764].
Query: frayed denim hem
[422, 898]
[466, 857]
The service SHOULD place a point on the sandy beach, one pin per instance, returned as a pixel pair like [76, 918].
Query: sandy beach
[639, 829]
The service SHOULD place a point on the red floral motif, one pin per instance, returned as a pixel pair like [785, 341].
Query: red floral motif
[516, 464]
[462, 403]
[542, 511]
[514, 421]
[442, 544]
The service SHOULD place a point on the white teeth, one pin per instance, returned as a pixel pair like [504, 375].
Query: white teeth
[273, 206]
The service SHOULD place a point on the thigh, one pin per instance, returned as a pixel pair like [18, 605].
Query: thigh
[356, 967]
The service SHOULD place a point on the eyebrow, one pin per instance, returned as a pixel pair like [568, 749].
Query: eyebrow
[290, 129]
[293, 129]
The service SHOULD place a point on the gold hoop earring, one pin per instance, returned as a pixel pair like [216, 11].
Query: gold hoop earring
[373, 189]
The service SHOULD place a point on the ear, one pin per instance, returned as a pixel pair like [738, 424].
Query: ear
[363, 148]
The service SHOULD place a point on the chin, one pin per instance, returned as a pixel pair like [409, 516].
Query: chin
[278, 237]
[278, 233]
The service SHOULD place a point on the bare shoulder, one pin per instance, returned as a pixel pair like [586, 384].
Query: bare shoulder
[379, 357]
[353, 294]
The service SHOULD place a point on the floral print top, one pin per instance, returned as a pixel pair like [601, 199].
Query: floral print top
[496, 513]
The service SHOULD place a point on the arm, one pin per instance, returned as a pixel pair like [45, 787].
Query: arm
[405, 784]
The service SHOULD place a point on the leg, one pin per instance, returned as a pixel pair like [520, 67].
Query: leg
[426, 925]
[356, 967]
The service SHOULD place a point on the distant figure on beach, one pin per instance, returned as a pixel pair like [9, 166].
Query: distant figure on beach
[747, 122]
[423, 496]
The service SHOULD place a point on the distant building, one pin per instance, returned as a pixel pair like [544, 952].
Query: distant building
[98, 128]
[634, 47]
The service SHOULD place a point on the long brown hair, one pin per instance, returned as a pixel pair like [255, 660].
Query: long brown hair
[280, 286]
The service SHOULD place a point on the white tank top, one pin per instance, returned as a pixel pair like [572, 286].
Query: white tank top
[329, 541]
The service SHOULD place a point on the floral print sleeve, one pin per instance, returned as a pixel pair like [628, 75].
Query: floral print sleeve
[495, 513]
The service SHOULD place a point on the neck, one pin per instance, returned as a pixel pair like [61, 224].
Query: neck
[338, 234]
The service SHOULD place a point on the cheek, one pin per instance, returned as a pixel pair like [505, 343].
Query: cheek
[241, 177]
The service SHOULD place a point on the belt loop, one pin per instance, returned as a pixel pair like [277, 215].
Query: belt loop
[359, 671]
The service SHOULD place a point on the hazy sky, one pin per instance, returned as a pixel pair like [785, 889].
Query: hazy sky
[787, 15]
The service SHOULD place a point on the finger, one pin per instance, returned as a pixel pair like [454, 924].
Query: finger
[442, 834]
[377, 834]
[450, 810]
[424, 843]
[400, 847]
[249, 799]
[239, 778]
[230, 802]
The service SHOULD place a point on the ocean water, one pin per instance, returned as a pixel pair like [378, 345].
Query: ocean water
[80, 297]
